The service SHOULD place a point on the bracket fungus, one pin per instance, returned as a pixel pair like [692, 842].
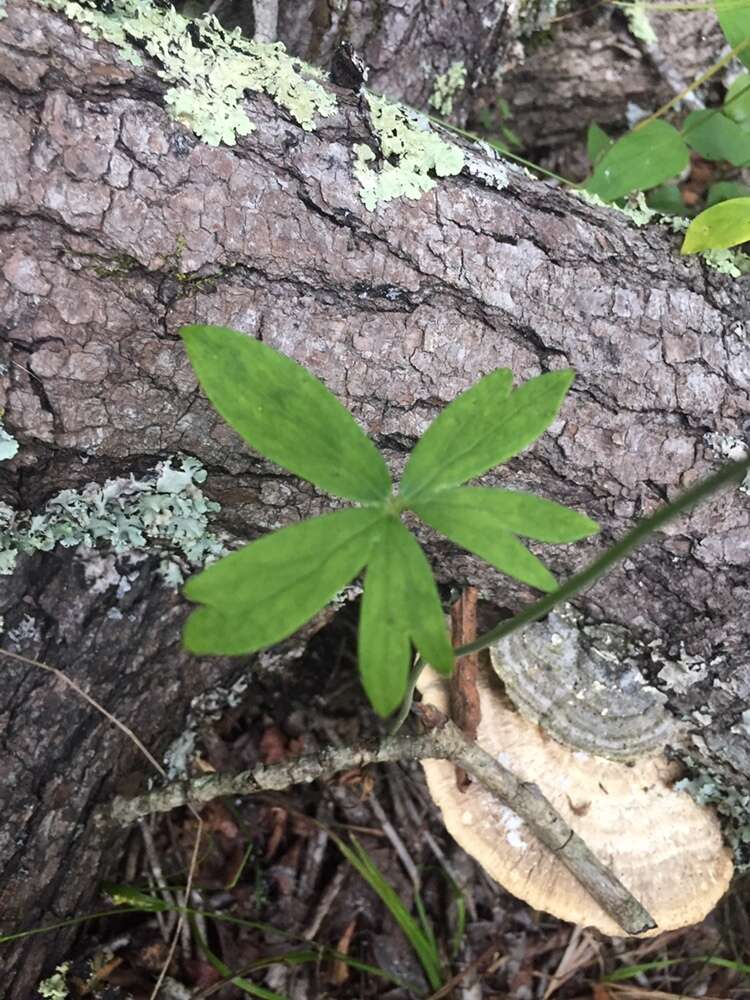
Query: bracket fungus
[664, 847]
[583, 686]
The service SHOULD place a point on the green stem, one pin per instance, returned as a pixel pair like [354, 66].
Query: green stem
[506, 152]
[731, 472]
[712, 71]
[411, 687]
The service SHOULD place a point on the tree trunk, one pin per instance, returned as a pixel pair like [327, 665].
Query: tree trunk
[592, 69]
[406, 46]
[118, 226]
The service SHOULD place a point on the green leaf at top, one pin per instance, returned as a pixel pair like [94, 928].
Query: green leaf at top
[640, 160]
[734, 18]
[480, 429]
[716, 137]
[737, 101]
[597, 142]
[722, 226]
[484, 523]
[286, 413]
[400, 605]
[262, 594]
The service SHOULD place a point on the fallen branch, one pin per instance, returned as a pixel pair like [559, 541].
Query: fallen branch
[443, 741]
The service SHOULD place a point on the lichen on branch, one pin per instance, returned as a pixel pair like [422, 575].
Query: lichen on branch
[411, 153]
[164, 510]
[208, 68]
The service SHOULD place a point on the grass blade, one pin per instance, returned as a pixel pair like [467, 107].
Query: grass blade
[629, 971]
[242, 984]
[423, 945]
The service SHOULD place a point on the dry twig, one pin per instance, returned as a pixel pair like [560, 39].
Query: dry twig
[444, 741]
[464, 696]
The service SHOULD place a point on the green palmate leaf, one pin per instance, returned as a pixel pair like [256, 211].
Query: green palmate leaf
[722, 226]
[434, 459]
[639, 160]
[384, 649]
[734, 18]
[484, 524]
[480, 429]
[737, 101]
[266, 591]
[285, 413]
[597, 142]
[400, 604]
[424, 612]
[508, 510]
[667, 199]
[724, 190]
[717, 137]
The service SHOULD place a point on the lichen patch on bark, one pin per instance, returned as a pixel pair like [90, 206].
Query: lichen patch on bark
[411, 154]
[207, 68]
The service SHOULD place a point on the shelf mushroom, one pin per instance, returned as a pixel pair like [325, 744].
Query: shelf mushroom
[664, 847]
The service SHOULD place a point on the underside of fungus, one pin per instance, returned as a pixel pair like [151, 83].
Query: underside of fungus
[664, 847]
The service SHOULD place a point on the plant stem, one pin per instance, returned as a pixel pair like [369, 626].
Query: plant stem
[720, 64]
[506, 152]
[728, 474]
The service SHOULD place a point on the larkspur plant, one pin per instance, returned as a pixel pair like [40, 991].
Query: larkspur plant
[262, 593]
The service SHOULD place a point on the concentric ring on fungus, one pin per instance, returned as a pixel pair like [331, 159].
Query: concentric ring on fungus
[664, 847]
[583, 686]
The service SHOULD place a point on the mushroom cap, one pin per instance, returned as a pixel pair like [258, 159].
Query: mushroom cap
[664, 847]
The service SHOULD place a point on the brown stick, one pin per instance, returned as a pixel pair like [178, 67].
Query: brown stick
[464, 697]
[446, 742]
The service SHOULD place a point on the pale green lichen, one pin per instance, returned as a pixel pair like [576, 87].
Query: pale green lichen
[410, 150]
[637, 210]
[446, 87]
[211, 705]
[163, 510]
[208, 68]
[635, 207]
[639, 24]
[678, 674]
[3, 11]
[490, 168]
[731, 802]
[55, 988]
[8, 444]
[735, 263]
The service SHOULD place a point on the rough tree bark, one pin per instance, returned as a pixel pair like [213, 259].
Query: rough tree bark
[406, 46]
[117, 227]
[592, 69]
